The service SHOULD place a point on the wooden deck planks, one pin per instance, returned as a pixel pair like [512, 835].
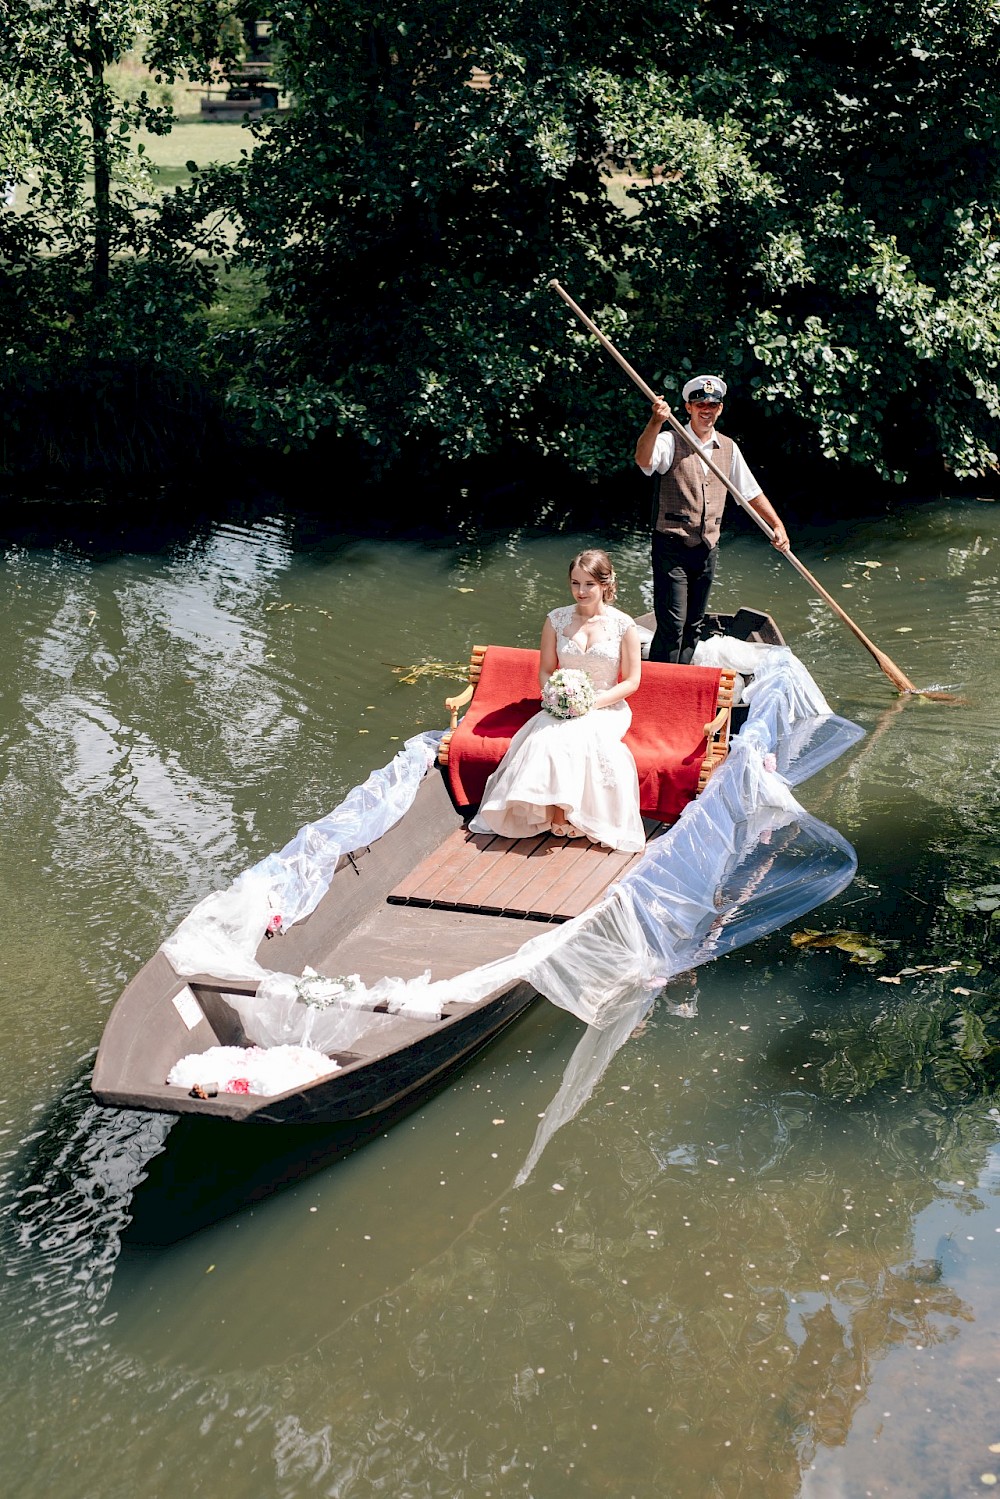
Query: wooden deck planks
[591, 875]
[488, 870]
[445, 866]
[525, 872]
[543, 878]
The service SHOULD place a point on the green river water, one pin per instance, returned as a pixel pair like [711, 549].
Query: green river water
[764, 1260]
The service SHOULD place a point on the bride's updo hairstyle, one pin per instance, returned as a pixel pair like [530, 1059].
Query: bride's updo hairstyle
[598, 564]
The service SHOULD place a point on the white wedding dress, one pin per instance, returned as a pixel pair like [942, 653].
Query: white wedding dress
[579, 764]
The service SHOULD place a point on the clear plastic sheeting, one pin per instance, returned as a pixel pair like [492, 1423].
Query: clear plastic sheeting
[329, 1014]
[740, 656]
[590, 1060]
[223, 932]
[742, 860]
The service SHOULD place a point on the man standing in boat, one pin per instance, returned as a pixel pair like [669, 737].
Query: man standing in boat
[688, 502]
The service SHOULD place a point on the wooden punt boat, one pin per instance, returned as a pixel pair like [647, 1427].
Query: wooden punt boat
[426, 895]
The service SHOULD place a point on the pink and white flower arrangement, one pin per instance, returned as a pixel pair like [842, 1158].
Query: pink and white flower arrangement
[568, 693]
[265, 1070]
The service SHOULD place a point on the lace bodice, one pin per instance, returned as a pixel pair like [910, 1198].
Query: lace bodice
[602, 662]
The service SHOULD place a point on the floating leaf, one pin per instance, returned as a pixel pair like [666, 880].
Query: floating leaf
[983, 898]
[860, 947]
[866, 564]
[904, 630]
[465, 590]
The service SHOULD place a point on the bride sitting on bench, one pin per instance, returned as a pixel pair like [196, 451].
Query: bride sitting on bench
[572, 775]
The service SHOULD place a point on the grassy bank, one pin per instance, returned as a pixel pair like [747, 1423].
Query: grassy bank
[205, 142]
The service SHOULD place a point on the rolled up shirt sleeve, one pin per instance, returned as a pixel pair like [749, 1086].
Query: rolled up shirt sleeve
[741, 477]
[663, 454]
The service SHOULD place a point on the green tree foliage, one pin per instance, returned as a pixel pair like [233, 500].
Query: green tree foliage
[819, 216]
[409, 221]
[804, 196]
[96, 287]
[870, 284]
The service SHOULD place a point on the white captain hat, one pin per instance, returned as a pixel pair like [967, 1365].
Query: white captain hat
[705, 388]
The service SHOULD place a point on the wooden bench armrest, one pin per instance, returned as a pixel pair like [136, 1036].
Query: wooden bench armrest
[717, 732]
[454, 703]
[718, 723]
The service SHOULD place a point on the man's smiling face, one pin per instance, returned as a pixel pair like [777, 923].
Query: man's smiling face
[704, 415]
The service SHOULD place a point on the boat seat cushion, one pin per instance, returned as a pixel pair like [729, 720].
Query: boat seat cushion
[667, 737]
[506, 696]
[669, 712]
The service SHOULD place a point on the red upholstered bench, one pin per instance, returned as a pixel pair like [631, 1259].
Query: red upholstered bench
[679, 733]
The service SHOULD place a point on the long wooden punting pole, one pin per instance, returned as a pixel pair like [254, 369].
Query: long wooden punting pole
[898, 678]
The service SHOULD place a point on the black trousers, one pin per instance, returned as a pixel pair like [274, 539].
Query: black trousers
[682, 581]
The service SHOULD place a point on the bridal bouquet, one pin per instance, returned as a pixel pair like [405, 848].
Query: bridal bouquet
[568, 693]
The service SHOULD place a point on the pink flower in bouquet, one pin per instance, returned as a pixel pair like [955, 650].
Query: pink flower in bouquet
[238, 1085]
[274, 927]
[770, 762]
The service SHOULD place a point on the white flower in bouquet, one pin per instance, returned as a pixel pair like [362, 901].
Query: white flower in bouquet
[568, 693]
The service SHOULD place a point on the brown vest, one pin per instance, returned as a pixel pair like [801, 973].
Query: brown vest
[687, 502]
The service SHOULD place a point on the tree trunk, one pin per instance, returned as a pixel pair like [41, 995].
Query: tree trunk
[100, 120]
